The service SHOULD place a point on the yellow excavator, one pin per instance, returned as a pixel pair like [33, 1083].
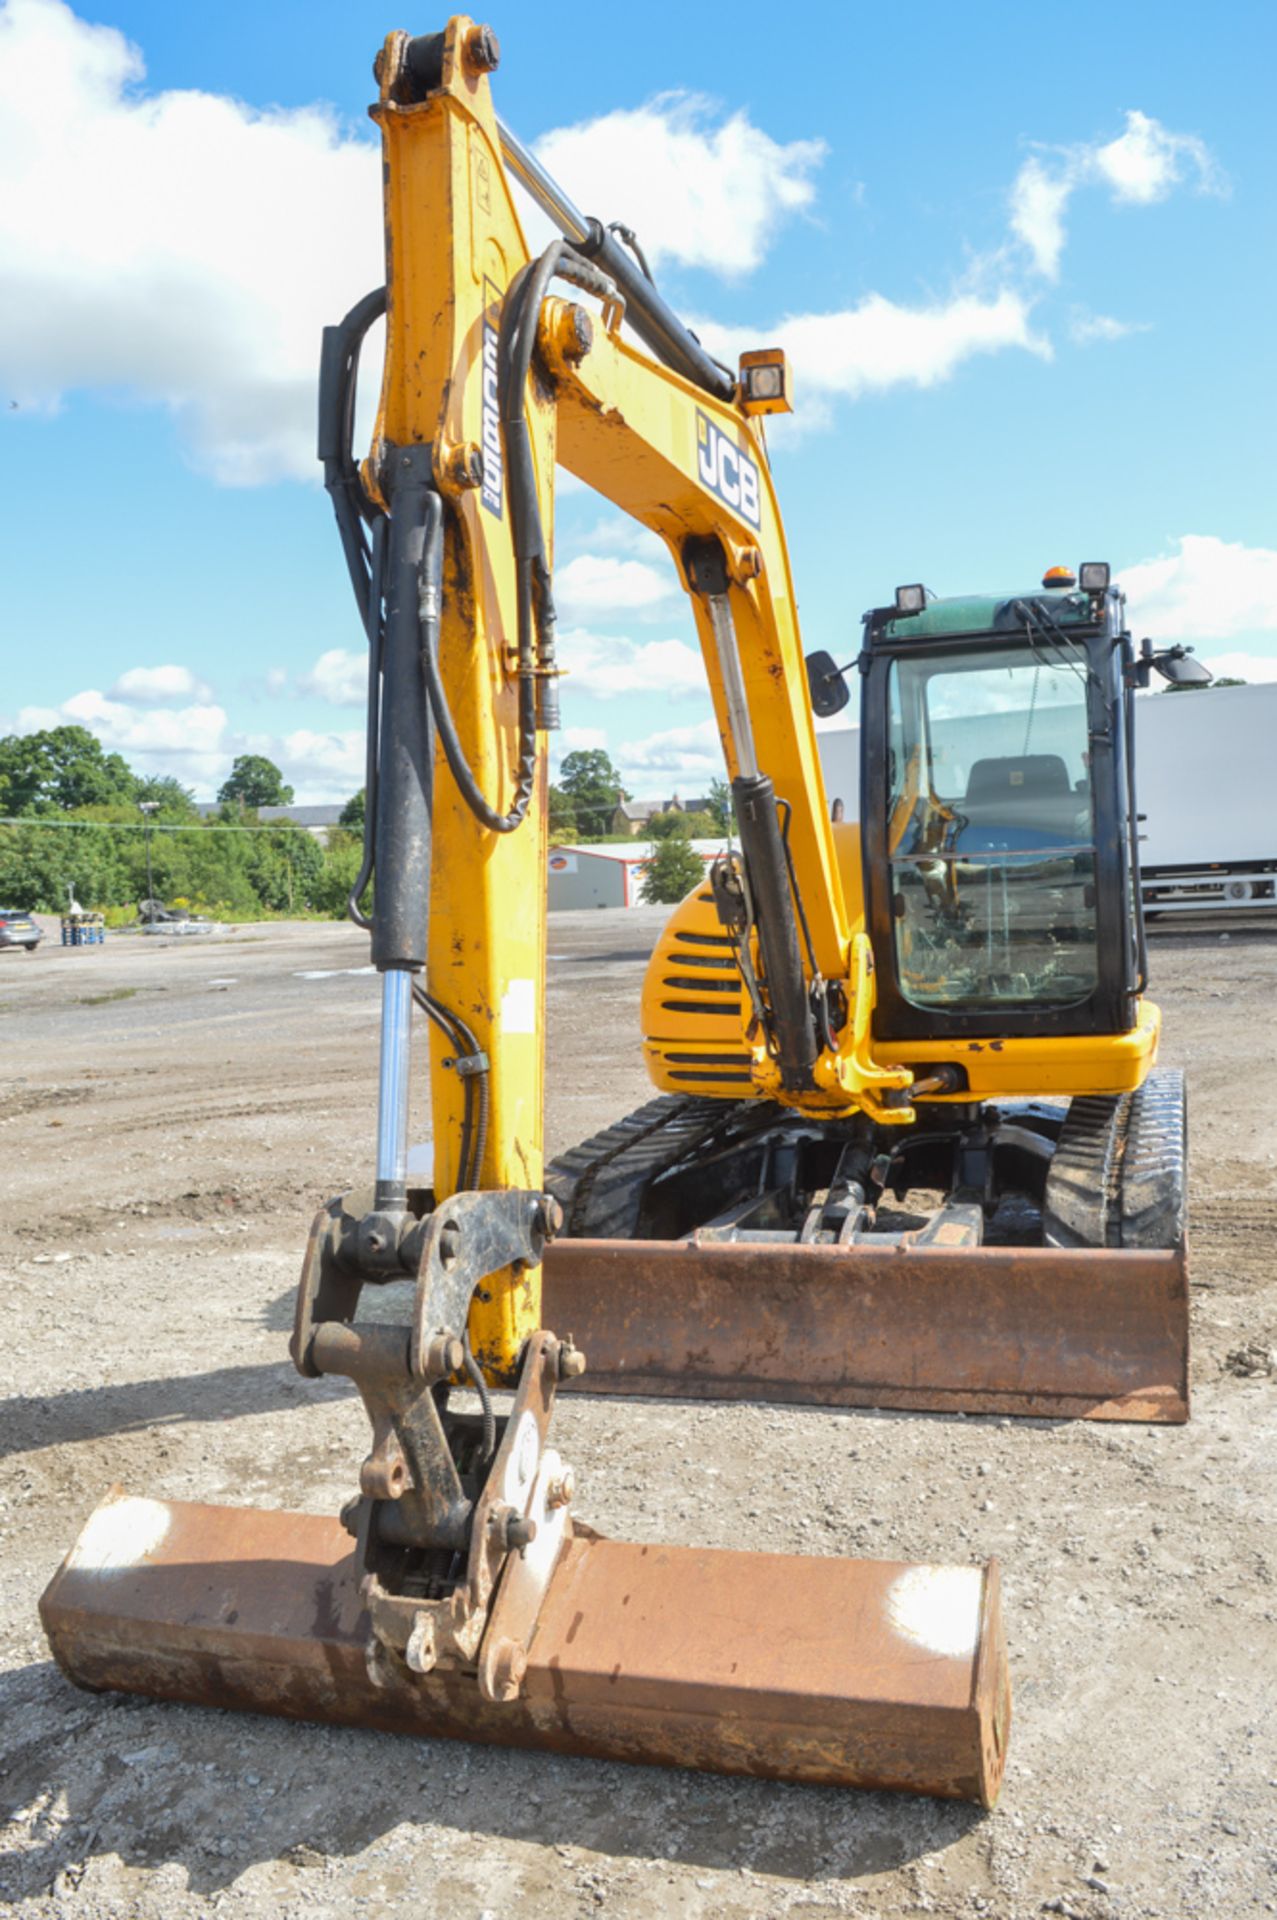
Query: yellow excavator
[908, 1148]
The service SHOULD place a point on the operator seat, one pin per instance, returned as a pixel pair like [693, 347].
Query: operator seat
[1019, 802]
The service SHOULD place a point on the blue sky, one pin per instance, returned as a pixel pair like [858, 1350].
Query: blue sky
[1023, 261]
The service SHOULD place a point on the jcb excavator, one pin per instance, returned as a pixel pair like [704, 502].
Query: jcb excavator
[908, 1149]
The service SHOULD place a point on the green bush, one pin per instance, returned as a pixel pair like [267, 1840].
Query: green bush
[671, 873]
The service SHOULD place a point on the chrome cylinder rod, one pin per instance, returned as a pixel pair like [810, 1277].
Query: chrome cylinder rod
[392, 1088]
[547, 192]
[738, 720]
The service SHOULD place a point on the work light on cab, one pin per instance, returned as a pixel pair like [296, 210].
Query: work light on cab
[1094, 576]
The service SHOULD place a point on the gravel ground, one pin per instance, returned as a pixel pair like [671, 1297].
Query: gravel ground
[171, 1114]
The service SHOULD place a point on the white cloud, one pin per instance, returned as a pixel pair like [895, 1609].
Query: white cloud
[880, 344]
[1038, 200]
[197, 744]
[179, 246]
[698, 190]
[338, 676]
[1086, 329]
[321, 766]
[185, 249]
[1208, 590]
[154, 686]
[607, 668]
[1145, 163]
[693, 752]
[600, 584]
[1243, 666]
[1147, 160]
[191, 742]
[617, 533]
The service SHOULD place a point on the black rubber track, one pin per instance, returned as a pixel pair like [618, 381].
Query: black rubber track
[1118, 1177]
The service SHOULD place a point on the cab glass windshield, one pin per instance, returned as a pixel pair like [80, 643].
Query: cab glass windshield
[991, 832]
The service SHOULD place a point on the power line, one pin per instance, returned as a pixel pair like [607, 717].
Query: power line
[139, 826]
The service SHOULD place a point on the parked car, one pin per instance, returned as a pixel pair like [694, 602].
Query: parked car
[18, 929]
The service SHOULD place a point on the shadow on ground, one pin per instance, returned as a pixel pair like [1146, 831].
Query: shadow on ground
[155, 1783]
[35, 1421]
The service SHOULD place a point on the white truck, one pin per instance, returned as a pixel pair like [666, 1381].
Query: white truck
[1208, 832]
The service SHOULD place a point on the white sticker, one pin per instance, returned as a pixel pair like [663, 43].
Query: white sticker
[519, 1007]
[727, 470]
[938, 1608]
[493, 458]
[119, 1534]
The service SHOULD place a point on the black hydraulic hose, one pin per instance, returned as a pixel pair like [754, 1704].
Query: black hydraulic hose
[628, 235]
[483, 1102]
[535, 598]
[449, 739]
[656, 324]
[480, 1386]
[338, 378]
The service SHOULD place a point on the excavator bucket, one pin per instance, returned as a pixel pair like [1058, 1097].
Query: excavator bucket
[836, 1672]
[1059, 1333]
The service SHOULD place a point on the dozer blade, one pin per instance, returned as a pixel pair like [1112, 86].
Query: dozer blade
[1095, 1335]
[836, 1672]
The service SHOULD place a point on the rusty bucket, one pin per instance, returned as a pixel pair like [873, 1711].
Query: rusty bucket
[852, 1673]
[1095, 1335]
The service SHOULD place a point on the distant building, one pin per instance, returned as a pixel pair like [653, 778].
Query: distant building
[607, 876]
[317, 820]
[631, 816]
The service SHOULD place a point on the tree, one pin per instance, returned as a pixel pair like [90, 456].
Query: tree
[720, 805]
[176, 802]
[690, 826]
[562, 815]
[38, 862]
[61, 768]
[286, 865]
[593, 785]
[352, 814]
[673, 870]
[254, 782]
[343, 857]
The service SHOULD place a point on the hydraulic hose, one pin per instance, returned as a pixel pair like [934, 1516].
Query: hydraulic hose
[429, 604]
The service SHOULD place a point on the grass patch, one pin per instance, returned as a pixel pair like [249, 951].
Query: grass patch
[113, 993]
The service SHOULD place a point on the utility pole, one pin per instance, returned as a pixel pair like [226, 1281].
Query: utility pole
[146, 808]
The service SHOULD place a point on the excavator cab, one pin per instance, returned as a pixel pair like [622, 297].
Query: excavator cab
[998, 818]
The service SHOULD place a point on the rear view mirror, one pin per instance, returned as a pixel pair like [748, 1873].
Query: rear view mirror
[829, 691]
[1178, 666]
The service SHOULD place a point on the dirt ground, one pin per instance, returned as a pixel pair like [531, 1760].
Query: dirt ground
[171, 1114]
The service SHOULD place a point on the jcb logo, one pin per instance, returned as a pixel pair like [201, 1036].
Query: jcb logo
[726, 471]
[493, 463]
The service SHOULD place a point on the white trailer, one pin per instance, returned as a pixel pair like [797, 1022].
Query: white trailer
[1208, 831]
[1208, 828]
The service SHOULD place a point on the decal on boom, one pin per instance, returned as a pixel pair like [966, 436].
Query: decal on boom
[726, 471]
[493, 464]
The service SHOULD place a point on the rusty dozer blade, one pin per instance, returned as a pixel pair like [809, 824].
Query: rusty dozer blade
[1074, 1334]
[837, 1672]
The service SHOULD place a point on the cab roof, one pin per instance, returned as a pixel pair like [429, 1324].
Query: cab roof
[987, 613]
